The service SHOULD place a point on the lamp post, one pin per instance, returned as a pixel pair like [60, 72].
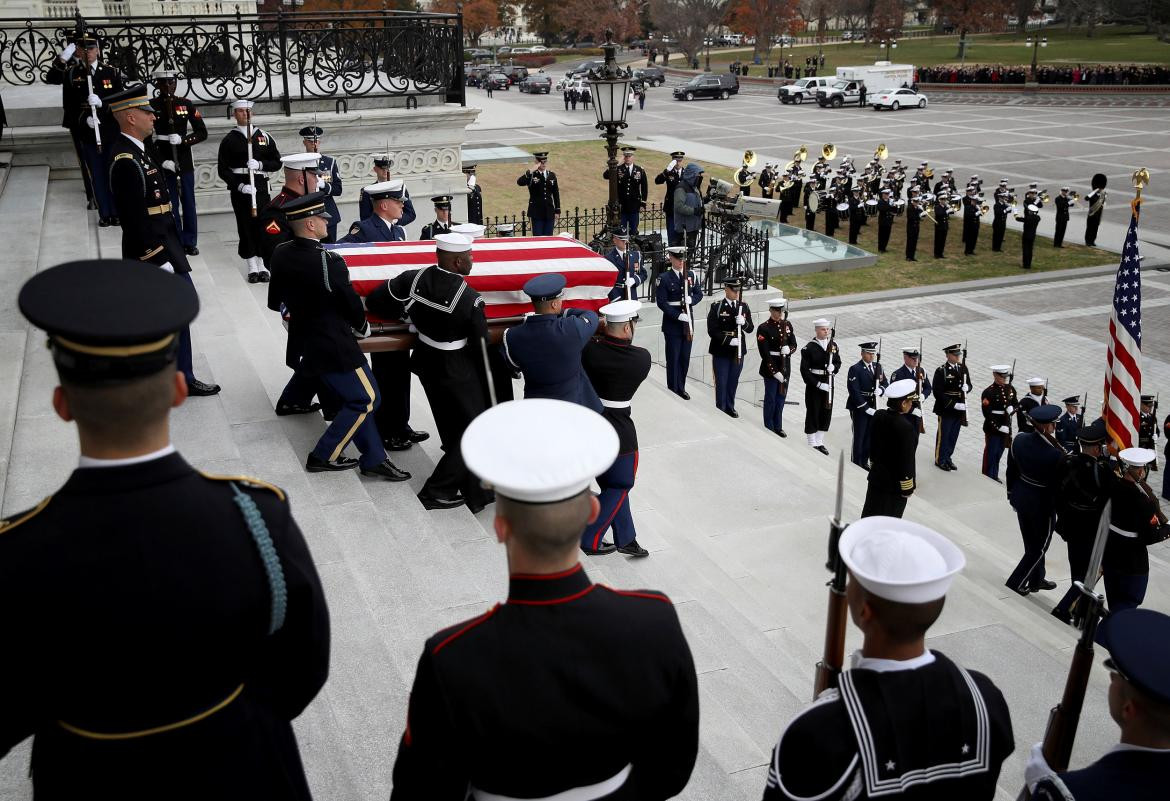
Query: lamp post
[707, 44]
[889, 44]
[1035, 43]
[610, 87]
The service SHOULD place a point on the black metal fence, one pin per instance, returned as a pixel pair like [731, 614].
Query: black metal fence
[286, 58]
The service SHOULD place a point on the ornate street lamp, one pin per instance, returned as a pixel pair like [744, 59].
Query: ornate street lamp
[610, 87]
[888, 44]
[1034, 43]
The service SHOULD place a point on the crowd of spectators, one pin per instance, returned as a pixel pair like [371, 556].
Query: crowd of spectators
[1090, 74]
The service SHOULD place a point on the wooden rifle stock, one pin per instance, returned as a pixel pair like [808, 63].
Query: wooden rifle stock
[251, 173]
[832, 376]
[833, 656]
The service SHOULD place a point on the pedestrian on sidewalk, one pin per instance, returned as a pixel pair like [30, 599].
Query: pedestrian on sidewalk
[642, 99]
[488, 85]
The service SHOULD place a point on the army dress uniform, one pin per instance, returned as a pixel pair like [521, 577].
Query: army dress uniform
[178, 116]
[1034, 468]
[632, 192]
[677, 335]
[776, 341]
[232, 167]
[892, 442]
[952, 382]
[474, 196]
[819, 362]
[544, 198]
[728, 346]
[998, 404]
[863, 383]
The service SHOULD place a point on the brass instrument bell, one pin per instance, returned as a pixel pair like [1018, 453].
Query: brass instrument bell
[828, 151]
[800, 155]
[749, 158]
[882, 152]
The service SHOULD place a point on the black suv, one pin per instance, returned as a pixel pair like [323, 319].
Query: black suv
[536, 84]
[720, 85]
[653, 76]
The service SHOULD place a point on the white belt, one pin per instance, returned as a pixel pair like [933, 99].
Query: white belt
[615, 404]
[244, 171]
[590, 793]
[819, 372]
[998, 411]
[674, 303]
[458, 344]
[1123, 532]
[775, 353]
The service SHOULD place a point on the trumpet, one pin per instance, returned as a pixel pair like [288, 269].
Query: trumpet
[1043, 195]
[928, 173]
[984, 209]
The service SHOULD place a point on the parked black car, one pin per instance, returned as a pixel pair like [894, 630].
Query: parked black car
[584, 67]
[653, 76]
[515, 73]
[498, 80]
[720, 85]
[536, 85]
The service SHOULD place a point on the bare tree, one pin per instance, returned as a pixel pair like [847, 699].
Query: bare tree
[815, 14]
[688, 22]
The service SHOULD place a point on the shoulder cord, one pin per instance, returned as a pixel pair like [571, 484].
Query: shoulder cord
[325, 271]
[259, 531]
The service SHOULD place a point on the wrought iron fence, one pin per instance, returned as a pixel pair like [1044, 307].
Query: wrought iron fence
[287, 58]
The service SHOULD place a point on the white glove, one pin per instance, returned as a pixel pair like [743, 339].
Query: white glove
[960, 407]
[253, 165]
[1037, 767]
[917, 413]
[673, 162]
[1010, 409]
[89, 121]
[167, 267]
[246, 189]
[174, 139]
[1004, 430]
[684, 318]
[68, 52]
[740, 319]
[631, 281]
[779, 377]
[94, 101]
[879, 391]
[471, 182]
[785, 350]
[967, 389]
[363, 332]
[823, 387]
[170, 165]
[870, 411]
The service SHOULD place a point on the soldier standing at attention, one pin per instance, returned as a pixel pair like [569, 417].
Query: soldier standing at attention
[1062, 202]
[670, 178]
[1136, 523]
[912, 368]
[1037, 396]
[777, 343]
[677, 289]
[544, 196]
[729, 321]
[631, 273]
[1148, 427]
[1034, 467]
[892, 442]
[503, 705]
[197, 591]
[865, 381]
[442, 223]
[474, 196]
[952, 382]
[1069, 424]
[1032, 206]
[148, 228]
[632, 189]
[616, 367]
[328, 177]
[906, 721]
[1000, 210]
[819, 362]
[174, 142]
[247, 180]
[998, 403]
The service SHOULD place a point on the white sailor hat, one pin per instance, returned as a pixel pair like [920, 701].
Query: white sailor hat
[1137, 457]
[164, 75]
[822, 322]
[473, 230]
[452, 243]
[395, 190]
[539, 450]
[1003, 181]
[778, 302]
[1002, 369]
[1064, 189]
[899, 560]
[621, 311]
[241, 103]
[678, 252]
[301, 161]
[901, 388]
[1037, 382]
[1033, 185]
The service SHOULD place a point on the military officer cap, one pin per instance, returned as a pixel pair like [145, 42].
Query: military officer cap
[164, 75]
[452, 243]
[1093, 434]
[1045, 413]
[733, 282]
[885, 190]
[678, 252]
[546, 286]
[1138, 641]
[911, 351]
[1001, 369]
[130, 97]
[395, 190]
[1072, 400]
[621, 311]
[539, 450]
[778, 302]
[620, 233]
[306, 206]
[1137, 457]
[902, 388]
[822, 322]
[958, 348]
[541, 155]
[469, 169]
[1147, 399]
[677, 154]
[442, 202]
[1036, 382]
[301, 161]
[312, 132]
[900, 560]
[382, 160]
[868, 347]
[469, 230]
[109, 320]
[629, 151]
[505, 229]
[86, 40]
[241, 103]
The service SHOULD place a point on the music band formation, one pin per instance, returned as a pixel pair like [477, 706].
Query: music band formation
[216, 636]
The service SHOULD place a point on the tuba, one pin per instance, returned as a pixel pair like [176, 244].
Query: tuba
[800, 155]
[882, 153]
[749, 158]
[743, 177]
[828, 151]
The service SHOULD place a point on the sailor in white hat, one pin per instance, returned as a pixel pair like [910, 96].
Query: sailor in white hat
[776, 340]
[820, 361]
[1037, 396]
[300, 179]
[470, 230]
[998, 403]
[892, 441]
[905, 719]
[1137, 521]
[505, 705]
[247, 154]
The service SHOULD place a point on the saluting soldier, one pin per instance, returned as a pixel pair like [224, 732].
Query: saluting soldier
[1032, 206]
[1069, 424]
[865, 382]
[383, 174]
[907, 721]
[247, 179]
[885, 219]
[85, 84]
[443, 222]
[819, 362]
[193, 598]
[1136, 523]
[729, 321]
[678, 290]
[892, 442]
[139, 189]
[1034, 466]
[1063, 203]
[952, 382]
[599, 665]
[616, 367]
[631, 272]
[328, 177]
[970, 221]
[1037, 396]
[300, 178]
[998, 403]
[632, 189]
[670, 178]
[1148, 427]
[474, 196]
[173, 142]
[1000, 209]
[544, 195]
[776, 340]
[1138, 642]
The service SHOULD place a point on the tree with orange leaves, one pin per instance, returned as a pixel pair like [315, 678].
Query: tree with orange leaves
[479, 16]
[762, 19]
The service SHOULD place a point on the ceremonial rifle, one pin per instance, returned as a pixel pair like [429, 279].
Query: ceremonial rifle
[833, 656]
[93, 116]
[918, 375]
[964, 380]
[251, 172]
[739, 333]
[829, 366]
[877, 381]
[174, 148]
[686, 300]
[626, 258]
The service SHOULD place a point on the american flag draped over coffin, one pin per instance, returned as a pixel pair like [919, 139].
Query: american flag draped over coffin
[502, 266]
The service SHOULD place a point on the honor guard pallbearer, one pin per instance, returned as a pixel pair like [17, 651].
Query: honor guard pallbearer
[952, 383]
[912, 368]
[669, 178]
[1069, 424]
[906, 722]
[382, 174]
[998, 403]
[204, 644]
[599, 665]
[328, 179]
[502, 373]
[776, 340]
[678, 294]
[544, 195]
[865, 382]
[246, 155]
[616, 367]
[388, 201]
[300, 179]
[1037, 396]
[178, 126]
[1034, 466]
[632, 189]
[820, 362]
[729, 321]
[631, 272]
[442, 223]
[892, 441]
[139, 188]
[474, 196]
[1136, 523]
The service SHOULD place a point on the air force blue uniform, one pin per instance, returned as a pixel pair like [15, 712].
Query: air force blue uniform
[332, 188]
[678, 345]
[1034, 468]
[547, 349]
[374, 229]
[637, 272]
[862, 382]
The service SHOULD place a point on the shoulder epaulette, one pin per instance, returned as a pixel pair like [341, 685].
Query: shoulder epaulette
[247, 481]
[9, 523]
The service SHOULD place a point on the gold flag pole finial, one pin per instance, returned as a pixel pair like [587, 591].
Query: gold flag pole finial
[1140, 179]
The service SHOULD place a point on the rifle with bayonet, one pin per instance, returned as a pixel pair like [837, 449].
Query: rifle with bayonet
[964, 380]
[829, 365]
[833, 656]
[919, 374]
[877, 373]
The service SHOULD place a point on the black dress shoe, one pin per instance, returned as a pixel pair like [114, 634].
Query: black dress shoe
[996, 480]
[633, 549]
[941, 466]
[90, 205]
[781, 433]
[386, 470]
[253, 278]
[315, 465]
[951, 466]
[103, 222]
[682, 393]
[397, 444]
[198, 389]
[286, 409]
[822, 449]
[417, 436]
[731, 412]
[431, 502]
[264, 276]
[1043, 585]
[191, 250]
[115, 221]
[606, 547]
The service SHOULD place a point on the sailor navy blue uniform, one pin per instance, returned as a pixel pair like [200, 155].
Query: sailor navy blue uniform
[637, 271]
[726, 357]
[1027, 404]
[892, 476]
[862, 382]
[951, 385]
[1033, 471]
[669, 299]
[374, 229]
[915, 413]
[547, 349]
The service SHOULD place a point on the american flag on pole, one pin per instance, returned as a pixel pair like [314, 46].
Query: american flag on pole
[1123, 365]
[501, 267]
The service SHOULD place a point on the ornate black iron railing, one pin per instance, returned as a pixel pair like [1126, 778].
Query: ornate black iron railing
[285, 58]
